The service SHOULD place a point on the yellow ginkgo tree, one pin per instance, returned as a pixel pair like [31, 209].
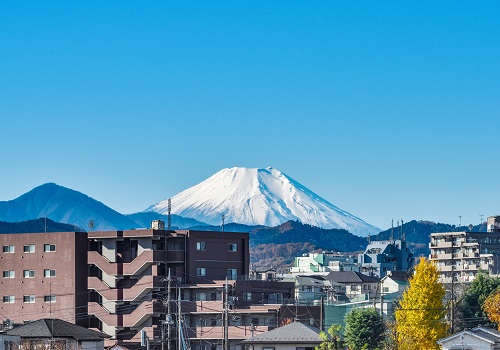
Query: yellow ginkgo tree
[491, 307]
[420, 317]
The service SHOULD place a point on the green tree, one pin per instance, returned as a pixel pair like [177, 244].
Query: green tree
[331, 339]
[469, 310]
[365, 329]
[420, 316]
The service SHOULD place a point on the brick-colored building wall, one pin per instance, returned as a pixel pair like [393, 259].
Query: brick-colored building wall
[30, 277]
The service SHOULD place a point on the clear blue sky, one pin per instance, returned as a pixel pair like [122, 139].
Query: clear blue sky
[386, 109]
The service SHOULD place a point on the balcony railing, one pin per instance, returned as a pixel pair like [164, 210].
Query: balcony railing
[234, 332]
[143, 285]
[140, 263]
[134, 319]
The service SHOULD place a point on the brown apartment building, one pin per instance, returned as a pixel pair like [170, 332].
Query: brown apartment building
[44, 275]
[128, 270]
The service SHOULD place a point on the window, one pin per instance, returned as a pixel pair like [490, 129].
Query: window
[200, 246]
[233, 247]
[255, 321]
[49, 247]
[49, 298]
[49, 273]
[9, 299]
[201, 271]
[8, 249]
[386, 289]
[201, 297]
[29, 299]
[247, 296]
[29, 248]
[29, 273]
[9, 274]
[232, 273]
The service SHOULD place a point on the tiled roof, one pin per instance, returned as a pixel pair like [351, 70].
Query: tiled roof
[350, 277]
[61, 329]
[292, 333]
[490, 335]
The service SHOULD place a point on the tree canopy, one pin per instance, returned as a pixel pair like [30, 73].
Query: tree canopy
[365, 329]
[331, 339]
[469, 309]
[420, 317]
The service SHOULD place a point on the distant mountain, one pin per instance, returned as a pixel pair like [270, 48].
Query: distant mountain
[260, 197]
[177, 222]
[35, 226]
[63, 205]
[297, 232]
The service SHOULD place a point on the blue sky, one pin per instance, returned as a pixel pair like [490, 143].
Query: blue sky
[386, 109]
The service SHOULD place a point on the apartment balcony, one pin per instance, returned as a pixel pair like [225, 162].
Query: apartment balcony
[203, 306]
[447, 268]
[136, 266]
[441, 256]
[134, 319]
[442, 244]
[234, 332]
[143, 286]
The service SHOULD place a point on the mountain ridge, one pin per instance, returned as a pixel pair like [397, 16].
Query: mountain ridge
[259, 196]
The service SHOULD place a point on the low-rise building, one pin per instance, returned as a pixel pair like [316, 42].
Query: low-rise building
[294, 336]
[383, 256]
[480, 338]
[57, 334]
[324, 262]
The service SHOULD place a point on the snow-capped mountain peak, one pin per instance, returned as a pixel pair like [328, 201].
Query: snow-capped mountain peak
[259, 196]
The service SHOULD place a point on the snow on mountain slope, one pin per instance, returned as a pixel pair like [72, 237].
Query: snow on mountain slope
[260, 197]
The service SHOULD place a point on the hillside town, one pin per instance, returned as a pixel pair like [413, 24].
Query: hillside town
[187, 289]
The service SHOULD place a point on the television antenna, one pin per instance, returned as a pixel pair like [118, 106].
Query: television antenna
[91, 224]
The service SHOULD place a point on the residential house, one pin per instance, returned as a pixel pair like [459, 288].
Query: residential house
[480, 338]
[294, 336]
[353, 284]
[57, 334]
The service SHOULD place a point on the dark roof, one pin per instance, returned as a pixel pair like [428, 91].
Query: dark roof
[295, 332]
[61, 329]
[350, 277]
[398, 276]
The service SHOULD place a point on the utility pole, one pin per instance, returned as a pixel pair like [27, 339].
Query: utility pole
[179, 328]
[225, 299]
[168, 316]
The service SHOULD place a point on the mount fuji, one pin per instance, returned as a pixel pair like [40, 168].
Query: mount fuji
[257, 196]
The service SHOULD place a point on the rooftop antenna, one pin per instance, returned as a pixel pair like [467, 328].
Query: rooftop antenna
[223, 218]
[392, 229]
[481, 223]
[459, 220]
[169, 220]
[402, 237]
[91, 224]
[399, 228]
[368, 238]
